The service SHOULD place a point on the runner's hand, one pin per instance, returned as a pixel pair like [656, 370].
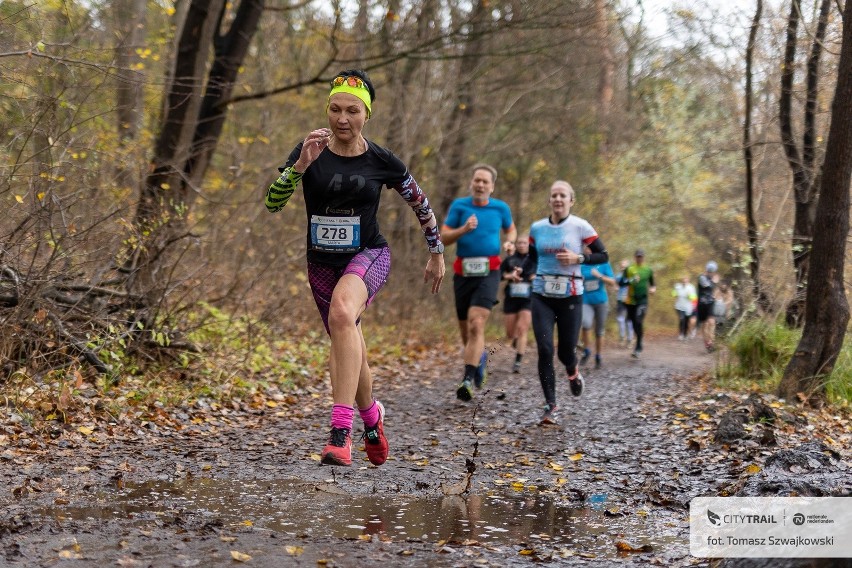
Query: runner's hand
[471, 223]
[567, 257]
[312, 147]
[435, 271]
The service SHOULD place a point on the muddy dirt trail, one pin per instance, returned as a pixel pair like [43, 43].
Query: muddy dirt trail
[466, 484]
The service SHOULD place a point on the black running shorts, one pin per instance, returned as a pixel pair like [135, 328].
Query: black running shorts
[478, 291]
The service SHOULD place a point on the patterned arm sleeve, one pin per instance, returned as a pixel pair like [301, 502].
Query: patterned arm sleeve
[282, 189]
[416, 199]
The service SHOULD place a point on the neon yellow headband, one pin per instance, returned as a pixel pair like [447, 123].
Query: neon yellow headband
[353, 86]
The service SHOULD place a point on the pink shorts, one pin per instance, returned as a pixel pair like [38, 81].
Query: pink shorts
[370, 265]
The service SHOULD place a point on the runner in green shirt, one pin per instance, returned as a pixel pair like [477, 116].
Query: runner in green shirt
[639, 279]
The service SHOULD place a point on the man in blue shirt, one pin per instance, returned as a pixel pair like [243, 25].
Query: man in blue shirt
[595, 306]
[475, 224]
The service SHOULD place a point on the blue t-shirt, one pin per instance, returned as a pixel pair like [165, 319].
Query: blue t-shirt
[548, 239]
[594, 289]
[485, 239]
[623, 287]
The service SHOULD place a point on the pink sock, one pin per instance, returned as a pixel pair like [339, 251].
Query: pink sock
[341, 416]
[370, 415]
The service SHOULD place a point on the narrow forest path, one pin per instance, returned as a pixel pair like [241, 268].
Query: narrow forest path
[609, 486]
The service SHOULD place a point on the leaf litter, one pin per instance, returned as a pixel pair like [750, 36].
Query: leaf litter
[646, 455]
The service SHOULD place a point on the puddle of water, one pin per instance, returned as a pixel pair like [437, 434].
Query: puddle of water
[296, 508]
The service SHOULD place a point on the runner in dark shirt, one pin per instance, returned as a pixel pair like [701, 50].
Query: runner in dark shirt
[517, 311]
[706, 297]
[342, 174]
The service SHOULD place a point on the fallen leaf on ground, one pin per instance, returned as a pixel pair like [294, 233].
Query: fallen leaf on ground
[623, 546]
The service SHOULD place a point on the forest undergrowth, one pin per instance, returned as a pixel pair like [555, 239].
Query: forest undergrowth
[246, 365]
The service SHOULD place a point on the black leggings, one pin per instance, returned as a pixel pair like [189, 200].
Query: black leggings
[567, 315]
[636, 315]
[683, 322]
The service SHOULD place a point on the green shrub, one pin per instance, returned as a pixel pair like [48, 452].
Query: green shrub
[759, 351]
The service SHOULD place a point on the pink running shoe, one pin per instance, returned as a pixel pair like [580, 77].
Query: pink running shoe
[338, 451]
[375, 442]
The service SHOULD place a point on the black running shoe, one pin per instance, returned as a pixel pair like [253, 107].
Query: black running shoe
[464, 391]
[481, 371]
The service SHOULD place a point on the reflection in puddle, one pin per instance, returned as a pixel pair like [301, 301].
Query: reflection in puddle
[296, 508]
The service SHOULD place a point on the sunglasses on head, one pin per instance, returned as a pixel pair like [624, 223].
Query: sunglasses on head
[350, 80]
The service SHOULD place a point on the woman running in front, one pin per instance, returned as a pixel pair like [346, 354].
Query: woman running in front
[556, 245]
[342, 174]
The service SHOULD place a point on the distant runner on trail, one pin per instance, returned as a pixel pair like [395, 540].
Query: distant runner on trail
[596, 277]
[342, 174]
[706, 298]
[556, 250]
[640, 283]
[685, 295]
[475, 223]
[518, 298]
[625, 327]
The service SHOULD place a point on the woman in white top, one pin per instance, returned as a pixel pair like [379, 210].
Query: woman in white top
[685, 297]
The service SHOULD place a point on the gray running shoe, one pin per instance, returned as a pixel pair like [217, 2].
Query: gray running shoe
[549, 416]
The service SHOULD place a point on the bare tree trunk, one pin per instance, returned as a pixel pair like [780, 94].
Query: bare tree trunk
[230, 50]
[130, 26]
[802, 164]
[759, 295]
[452, 151]
[521, 212]
[361, 30]
[827, 310]
[402, 75]
[632, 40]
[195, 112]
[607, 72]
[183, 101]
